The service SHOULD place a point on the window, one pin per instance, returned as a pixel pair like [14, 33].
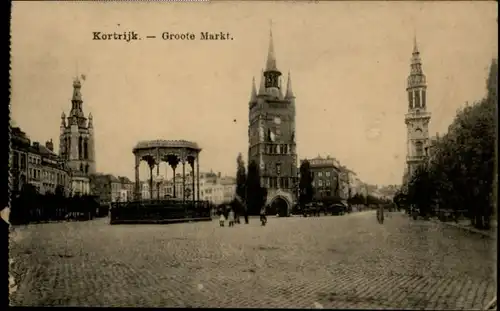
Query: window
[320, 183]
[419, 149]
[80, 146]
[417, 98]
[85, 149]
[410, 99]
[285, 183]
[423, 98]
[23, 161]
[320, 174]
[327, 174]
[328, 183]
[15, 160]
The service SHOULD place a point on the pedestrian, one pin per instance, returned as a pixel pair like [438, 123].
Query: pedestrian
[222, 219]
[380, 214]
[231, 218]
[263, 218]
[237, 211]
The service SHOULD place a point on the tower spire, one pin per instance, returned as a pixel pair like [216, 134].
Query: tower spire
[289, 92]
[271, 58]
[415, 46]
[253, 96]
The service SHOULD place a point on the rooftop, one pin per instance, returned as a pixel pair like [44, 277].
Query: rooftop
[162, 143]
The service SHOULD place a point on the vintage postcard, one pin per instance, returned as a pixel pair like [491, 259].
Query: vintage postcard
[253, 154]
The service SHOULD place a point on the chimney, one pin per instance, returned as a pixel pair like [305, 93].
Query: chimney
[49, 145]
[218, 174]
[36, 144]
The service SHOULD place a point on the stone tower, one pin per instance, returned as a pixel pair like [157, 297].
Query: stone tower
[77, 142]
[271, 136]
[417, 119]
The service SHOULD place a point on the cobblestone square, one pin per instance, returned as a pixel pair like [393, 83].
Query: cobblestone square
[318, 262]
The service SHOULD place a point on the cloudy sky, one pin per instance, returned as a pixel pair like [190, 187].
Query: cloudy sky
[349, 62]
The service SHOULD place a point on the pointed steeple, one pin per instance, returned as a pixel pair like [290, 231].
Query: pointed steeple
[289, 91]
[417, 76]
[415, 58]
[415, 46]
[262, 87]
[271, 58]
[253, 95]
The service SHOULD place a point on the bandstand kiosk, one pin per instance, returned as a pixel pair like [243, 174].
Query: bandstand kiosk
[177, 154]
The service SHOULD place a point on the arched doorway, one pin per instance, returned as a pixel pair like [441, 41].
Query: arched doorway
[278, 206]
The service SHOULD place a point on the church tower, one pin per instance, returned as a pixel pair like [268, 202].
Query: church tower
[417, 119]
[271, 136]
[76, 142]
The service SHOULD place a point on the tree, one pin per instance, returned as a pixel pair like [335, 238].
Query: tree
[421, 190]
[255, 193]
[241, 178]
[306, 190]
[357, 199]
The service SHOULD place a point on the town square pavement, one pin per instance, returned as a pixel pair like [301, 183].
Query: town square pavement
[346, 261]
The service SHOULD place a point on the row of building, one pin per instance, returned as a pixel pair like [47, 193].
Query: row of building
[214, 188]
[40, 166]
[331, 179]
[37, 164]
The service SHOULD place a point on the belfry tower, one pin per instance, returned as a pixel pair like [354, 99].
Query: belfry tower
[271, 136]
[417, 119]
[76, 143]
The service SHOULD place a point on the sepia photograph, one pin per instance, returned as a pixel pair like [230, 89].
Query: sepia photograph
[253, 154]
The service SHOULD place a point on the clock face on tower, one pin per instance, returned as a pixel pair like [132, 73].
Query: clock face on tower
[277, 120]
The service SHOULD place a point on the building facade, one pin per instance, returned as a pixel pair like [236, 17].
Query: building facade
[77, 143]
[214, 188]
[228, 188]
[417, 119]
[326, 177]
[109, 188]
[271, 135]
[128, 186]
[37, 165]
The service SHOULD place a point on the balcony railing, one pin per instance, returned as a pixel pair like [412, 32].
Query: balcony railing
[417, 114]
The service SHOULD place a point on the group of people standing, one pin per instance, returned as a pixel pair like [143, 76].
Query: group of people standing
[227, 212]
[232, 213]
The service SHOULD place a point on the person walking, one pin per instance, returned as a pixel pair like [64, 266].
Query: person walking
[222, 215]
[237, 210]
[263, 217]
[380, 214]
[222, 219]
[230, 217]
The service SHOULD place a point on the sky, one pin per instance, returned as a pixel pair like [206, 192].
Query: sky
[348, 61]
